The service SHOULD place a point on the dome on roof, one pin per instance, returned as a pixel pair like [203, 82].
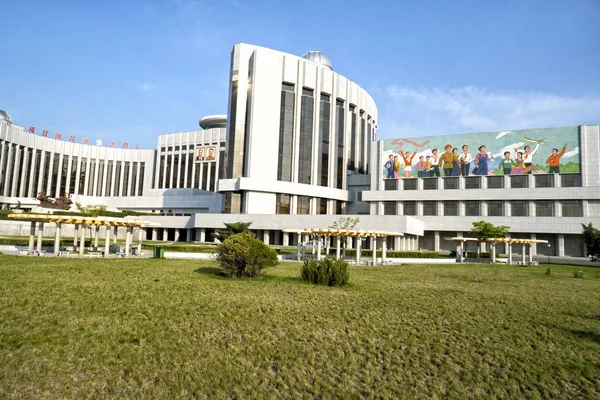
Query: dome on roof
[4, 117]
[213, 121]
[318, 57]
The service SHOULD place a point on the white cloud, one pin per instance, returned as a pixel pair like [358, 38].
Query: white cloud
[421, 111]
[146, 86]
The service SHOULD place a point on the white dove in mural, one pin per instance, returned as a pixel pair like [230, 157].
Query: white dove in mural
[502, 134]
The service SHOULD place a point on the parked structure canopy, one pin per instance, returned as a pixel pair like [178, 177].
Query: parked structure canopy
[492, 241]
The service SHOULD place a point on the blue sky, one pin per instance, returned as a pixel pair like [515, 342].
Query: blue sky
[130, 70]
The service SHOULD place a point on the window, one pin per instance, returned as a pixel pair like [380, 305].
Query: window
[519, 208]
[495, 182]
[339, 207]
[322, 206]
[306, 126]
[496, 208]
[570, 180]
[450, 182]
[544, 180]
[571, 208]
[286, 133]
[410, 184]
[390, 184]
[352, 139]
[410, 208]
[430, 183]
[544, 208]
[323, 143]
[303, 205]
[450, 208]
[389, 208]
[472, 208]
[283, 203]
[429, 208]
[519, 181]
[472, 182]
[339, 133]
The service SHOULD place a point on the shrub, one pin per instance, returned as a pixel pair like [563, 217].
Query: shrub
[243, 255]
[328, 272]
[578, 274]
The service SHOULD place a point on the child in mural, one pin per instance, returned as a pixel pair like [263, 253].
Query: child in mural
[447, 159]
[506, 163]
[396, 166]
[428, 167]
[434, 163]
[455, 163]
[420, 167]
[481, 162]
[528, 157]
[408, 161]
[554, 160]
[518, 165]
[465, 159]
[390, 167]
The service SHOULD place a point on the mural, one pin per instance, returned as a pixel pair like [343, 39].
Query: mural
[528, 151]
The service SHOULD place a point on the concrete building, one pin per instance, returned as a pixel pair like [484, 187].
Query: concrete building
[298, 148]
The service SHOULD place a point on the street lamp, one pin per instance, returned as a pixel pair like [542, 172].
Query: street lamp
[549, 246]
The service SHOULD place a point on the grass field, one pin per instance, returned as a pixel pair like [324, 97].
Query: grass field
[177, 329]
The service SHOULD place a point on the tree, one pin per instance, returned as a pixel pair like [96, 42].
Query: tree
[484, 230]
[591, 238]
[91, 210]
[232, 228]
[345, 223]
[244, 256]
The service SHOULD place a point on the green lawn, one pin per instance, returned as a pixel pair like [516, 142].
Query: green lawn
[176, 329]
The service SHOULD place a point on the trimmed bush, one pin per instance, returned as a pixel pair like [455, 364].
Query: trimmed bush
[243, 255]
[328, 272]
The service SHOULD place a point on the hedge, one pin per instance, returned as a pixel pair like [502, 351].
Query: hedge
[395, 254]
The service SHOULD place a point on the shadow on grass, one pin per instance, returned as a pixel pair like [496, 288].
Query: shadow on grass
[210, 271]
[594, 337]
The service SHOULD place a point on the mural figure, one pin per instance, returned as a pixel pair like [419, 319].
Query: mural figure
[446, 160]
[211, 154]
[465, 159]
[481, 162]
[200, 154]
[518, 166]
[390, 167]
[428, 167]
[455, 163]
[420, 167]
[397, 166]
[554, 160]
[528, 156]
[506, 163]
[435, 159]
[408, 161]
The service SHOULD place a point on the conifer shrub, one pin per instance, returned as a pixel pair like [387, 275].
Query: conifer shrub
[328, 272]
[244, 256]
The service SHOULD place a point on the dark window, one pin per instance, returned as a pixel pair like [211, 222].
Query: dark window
[109, 178]
[472, 182]
[161, 172]
[390, 184]
[495, 208]
[430, 208]
[323, 144]
[99, 191]
[118, 179]
[410, 184]
[570, 180]
[141, 178]
[450, 182]
[519, 208]
[571, 208]
[361, 143]
[53, 188]
[353, 140]
[30, 155]
[339, 207]
[283, 204]
[125, 178]
[495, 182]
[204, 173]
[63, 175]
[180, 171]
[168, 173]
[213, 176]
[322, 206]
[409, 208]
[389, 208]
[91, 177]
[450, 208]
[306, 126]
[339, 133]
[82, 174]
[544, 208]
[472, 208]
[134, 178]
[184, 147]
[37, 169]
[190, 170]
[286, 133]
[303, 205]
[519, 181]
[544, 180]
[430, 183]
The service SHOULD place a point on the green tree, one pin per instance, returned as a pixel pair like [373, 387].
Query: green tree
[591, 238]
[345, 223]
[91, 210]
[244, 256]
[484, 230]
[232, 228]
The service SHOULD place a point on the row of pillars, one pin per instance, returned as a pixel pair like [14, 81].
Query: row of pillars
[460, 250]
[79, 238]
[317, 247]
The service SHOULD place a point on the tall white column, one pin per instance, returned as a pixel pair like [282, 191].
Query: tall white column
[107, 242]
[115, 234]
[75, 235]
[139, 246]
[560, 245]
[383, 249]
[286, 239]
[374, 249]
[57, 238]
[523, 253]
[318, 247]
[436, 241]
[127, 240]
[358, 246]
[202, 234]
[96, 235]
[31, 238]
[154, 233]
[40, 236]
[177, 234]
[337, 247]
[82, 240]
[165, 234]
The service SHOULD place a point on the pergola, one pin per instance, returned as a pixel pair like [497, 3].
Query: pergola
[318, 234]
[493, 241]
[80, 224]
